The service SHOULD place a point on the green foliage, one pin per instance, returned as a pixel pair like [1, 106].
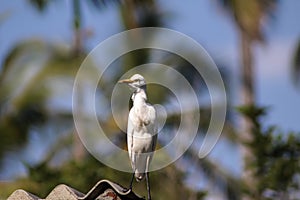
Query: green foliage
[224, 181]
[276, 156]
[166, 183]
[23, 102]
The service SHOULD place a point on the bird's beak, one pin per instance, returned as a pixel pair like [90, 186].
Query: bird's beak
[125, 81]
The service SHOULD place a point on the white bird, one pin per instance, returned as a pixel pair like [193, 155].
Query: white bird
[141, 130]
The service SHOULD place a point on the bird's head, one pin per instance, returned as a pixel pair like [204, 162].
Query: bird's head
[135, 82]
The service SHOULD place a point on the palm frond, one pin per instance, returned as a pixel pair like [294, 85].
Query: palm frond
[296, 65]
[248, 15]
[29, 72]
[137, 13]
[227, 183]
[40, 5]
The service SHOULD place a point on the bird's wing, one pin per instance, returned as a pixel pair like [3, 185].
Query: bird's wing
[151, 115]
[154, 142]
[130, 130]
[153, 129]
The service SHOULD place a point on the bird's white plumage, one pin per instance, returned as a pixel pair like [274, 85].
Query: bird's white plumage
[141, 130]
[141, 134]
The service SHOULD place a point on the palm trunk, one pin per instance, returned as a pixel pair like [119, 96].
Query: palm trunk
[79, 151]
[248, 98]
[247, 70]
[78, 148]
[77, 48]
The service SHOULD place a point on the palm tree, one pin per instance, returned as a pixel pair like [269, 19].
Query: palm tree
[28, 107]
[248, 17]
[77, 49]
[24, 103]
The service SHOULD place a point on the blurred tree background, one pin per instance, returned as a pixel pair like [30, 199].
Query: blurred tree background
[37, 128]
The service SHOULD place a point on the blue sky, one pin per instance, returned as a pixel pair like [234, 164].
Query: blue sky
[202, 20]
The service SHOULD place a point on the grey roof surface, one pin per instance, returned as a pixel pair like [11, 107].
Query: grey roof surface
[103, 190]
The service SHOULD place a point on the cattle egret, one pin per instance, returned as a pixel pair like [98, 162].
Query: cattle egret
[141, 130]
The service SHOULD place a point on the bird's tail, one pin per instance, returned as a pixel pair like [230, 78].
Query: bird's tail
[139, 176]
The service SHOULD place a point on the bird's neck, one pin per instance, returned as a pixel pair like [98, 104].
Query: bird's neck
[139, 96]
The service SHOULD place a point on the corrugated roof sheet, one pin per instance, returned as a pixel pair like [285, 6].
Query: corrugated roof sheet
[103, 190]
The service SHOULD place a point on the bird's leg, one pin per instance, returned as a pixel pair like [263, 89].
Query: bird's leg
[148, 185]
[147, 177]
[131, 182]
